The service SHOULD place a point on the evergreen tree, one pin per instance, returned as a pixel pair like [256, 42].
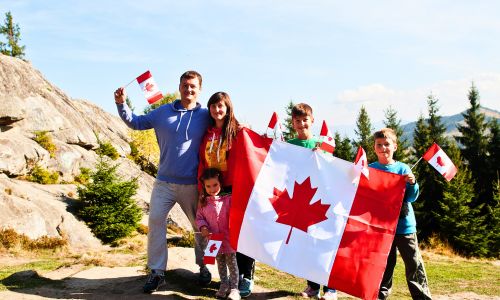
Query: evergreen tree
[289, 132]
[392, 121]
[474, 142]
[492, 164]
[493, 206]
[107, 205]
[461, 223]
[494, 222]
[12, 33]
[430, 182]
[343, 148]
[364, 133]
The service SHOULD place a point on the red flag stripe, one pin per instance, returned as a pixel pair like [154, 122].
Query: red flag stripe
[156, 97]
[247, 172]
[146, 75]
[431, 152]
[375, 208]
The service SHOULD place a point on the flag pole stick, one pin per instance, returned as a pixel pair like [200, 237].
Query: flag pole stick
[416, 163]
[129, 83]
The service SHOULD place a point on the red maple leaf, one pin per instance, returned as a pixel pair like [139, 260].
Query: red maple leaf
[149, 87]
[440, 161]
[212, 248]
[297, 212]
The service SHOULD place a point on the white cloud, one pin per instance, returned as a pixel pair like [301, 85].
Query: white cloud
[409, 103]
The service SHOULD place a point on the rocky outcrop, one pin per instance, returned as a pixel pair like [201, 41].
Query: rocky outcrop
[30, 103]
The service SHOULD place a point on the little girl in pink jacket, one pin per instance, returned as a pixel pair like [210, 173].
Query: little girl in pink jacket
[213, 217]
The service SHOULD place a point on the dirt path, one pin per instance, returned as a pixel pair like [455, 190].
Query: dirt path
[77, 282]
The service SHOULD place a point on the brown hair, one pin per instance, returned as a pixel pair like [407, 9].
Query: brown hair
[190, 75]
[301, 110]
[207, 174]
[386, 133]
[230, 126]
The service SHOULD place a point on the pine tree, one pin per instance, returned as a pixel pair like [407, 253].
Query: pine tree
[107, 204]
[12, 33]
[364, 134]
[492, 164]
[430, 182]
[494, 222]
[343, 148]
[289, 132]
[392, 121]
[474, 142]
[462, 224]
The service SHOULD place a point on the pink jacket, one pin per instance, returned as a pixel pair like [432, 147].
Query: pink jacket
[215, 215]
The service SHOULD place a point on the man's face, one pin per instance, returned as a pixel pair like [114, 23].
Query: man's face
[189, 89]
[303, 125]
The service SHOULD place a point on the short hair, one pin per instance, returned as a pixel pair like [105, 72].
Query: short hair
[386, 133]
[301, 110]
[190, 75]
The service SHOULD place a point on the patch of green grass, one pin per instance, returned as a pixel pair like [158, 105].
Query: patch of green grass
[449, 277]
[11, 279]
[445, 277]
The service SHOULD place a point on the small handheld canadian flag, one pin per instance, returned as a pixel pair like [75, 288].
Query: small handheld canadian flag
[149, 87]
[274, 128]
[440, 161]
[328, 143]
[362, 162]
[212, 248]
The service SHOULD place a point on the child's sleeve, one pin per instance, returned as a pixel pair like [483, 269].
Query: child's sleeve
[200, 218]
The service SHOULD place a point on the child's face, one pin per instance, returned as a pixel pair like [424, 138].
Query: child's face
[218, 111]
[212, 186]
[303, 126]
[385, 148]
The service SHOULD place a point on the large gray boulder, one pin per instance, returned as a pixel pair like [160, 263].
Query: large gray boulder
[30, 103]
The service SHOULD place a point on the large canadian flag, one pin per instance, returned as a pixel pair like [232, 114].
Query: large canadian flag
[149, 87]
[440, 161]
[312, 215]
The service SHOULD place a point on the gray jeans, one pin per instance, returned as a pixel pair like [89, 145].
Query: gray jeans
[163, 198]
[416, 278]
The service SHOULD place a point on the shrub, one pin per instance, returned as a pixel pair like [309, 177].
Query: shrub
[9, 239]
[41, 175]
[44, 139]
[84, 176]
[105, 148]
[107, 204]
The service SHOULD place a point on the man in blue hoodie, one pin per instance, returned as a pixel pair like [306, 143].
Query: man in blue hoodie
[179, 127]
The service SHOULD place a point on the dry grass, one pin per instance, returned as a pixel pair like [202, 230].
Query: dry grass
[13, 241]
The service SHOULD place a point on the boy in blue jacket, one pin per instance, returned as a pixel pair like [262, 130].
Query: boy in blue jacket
[405, 240]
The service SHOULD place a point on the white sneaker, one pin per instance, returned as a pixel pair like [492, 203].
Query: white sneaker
[234, 295]
[329, 296]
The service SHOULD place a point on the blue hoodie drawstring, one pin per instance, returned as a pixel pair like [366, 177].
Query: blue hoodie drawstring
[180, 119]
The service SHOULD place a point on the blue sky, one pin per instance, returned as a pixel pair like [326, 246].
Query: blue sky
[334, 55]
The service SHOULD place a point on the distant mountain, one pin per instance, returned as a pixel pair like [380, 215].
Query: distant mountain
[450, 123]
